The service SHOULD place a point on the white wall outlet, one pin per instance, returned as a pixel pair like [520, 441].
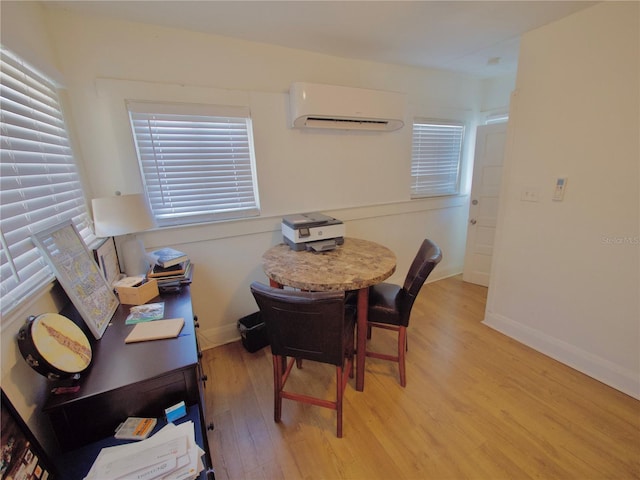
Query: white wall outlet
[530, 194]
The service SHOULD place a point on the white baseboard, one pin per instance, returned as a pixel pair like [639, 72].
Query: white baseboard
[214, 337]
[596, 367]
[442, 273]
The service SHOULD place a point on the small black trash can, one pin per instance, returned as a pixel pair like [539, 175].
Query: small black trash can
[253, 332]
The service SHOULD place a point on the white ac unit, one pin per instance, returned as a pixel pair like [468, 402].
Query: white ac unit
[314, 105]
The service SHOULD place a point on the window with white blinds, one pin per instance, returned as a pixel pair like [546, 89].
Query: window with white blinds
[197, 161]
[39, 182]
[435, 159]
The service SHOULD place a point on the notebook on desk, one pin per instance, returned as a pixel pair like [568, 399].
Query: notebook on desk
[155, 330]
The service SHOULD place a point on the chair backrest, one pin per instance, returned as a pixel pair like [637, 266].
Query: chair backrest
[309, 325]
[428, 256]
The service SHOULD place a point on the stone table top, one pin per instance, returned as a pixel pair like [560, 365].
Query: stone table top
[354, 265]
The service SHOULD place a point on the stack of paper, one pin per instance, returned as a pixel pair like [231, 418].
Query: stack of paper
[170, 454]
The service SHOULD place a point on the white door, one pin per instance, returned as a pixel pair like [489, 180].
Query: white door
[483, 211]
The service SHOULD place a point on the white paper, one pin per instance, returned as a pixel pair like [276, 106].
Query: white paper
[170, 454]
[163, 453]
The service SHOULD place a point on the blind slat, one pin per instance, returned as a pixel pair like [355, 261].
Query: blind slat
[196, 167]
[39, 181]
[435, 161]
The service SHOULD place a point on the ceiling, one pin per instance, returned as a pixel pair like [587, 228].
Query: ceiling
[474, 37]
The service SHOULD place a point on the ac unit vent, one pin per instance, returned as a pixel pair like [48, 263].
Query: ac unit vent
[349, 120]
[345, 108]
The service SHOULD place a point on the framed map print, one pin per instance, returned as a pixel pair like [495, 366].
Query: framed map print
[79, 275]
[105, 255]
[21, 456]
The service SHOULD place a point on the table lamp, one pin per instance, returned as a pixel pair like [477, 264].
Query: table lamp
[125, 215]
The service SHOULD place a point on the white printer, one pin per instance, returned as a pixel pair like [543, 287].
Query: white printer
[312, 231]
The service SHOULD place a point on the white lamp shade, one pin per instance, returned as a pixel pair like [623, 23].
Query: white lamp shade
[120, 215]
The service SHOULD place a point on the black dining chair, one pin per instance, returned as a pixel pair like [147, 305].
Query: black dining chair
[316, 326]
[390, 305]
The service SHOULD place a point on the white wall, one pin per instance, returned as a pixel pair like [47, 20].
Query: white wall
[364, 180]
[565, 277]
[493, 91]
[361, 178]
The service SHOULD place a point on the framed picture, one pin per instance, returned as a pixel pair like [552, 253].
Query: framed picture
[21, 456]
[79, 275]
[105, 255]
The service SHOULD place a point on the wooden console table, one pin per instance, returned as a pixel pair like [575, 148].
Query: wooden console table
[138, 379]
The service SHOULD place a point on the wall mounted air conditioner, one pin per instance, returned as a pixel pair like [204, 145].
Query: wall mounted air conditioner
[315, 105]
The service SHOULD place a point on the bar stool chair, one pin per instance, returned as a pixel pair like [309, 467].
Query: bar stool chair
[390, 305]
[316, 326]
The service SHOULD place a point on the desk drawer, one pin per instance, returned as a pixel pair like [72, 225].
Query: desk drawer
[82, 422]
[76, 463]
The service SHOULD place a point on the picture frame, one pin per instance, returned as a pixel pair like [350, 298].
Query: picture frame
[21, 456]
[106, 256]
[79, 275]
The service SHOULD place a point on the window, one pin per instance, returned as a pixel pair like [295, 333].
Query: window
[197, 161]
[39, 182]
[435, 158]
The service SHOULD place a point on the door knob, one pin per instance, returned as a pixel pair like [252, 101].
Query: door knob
[473, 221]
[474, 202]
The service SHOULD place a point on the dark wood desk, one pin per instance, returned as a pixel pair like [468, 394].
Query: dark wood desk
[139, 379]
[355, 265]
[75, 464]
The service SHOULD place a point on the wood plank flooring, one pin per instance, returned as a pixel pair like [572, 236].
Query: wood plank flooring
[477, 405]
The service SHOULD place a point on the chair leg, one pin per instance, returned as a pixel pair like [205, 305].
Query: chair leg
[277, 387]
[283, 364]
[352, 366]
[402, 347]
[280, 375]
[339, 392]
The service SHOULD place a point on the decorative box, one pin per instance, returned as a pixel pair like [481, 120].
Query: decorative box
[138, 295]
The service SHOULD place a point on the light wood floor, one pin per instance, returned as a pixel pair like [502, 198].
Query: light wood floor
[477, 405]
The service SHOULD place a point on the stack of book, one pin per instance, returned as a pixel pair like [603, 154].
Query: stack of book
[171, 268]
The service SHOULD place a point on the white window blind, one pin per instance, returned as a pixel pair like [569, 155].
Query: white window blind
[197, 161]
[39, 182]
[436, 155]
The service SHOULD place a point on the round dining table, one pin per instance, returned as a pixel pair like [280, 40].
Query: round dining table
[353, 266]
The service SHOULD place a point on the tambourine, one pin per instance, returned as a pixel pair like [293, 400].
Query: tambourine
[54, 346]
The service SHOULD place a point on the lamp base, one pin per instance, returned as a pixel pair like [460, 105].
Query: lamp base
[134, 256]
